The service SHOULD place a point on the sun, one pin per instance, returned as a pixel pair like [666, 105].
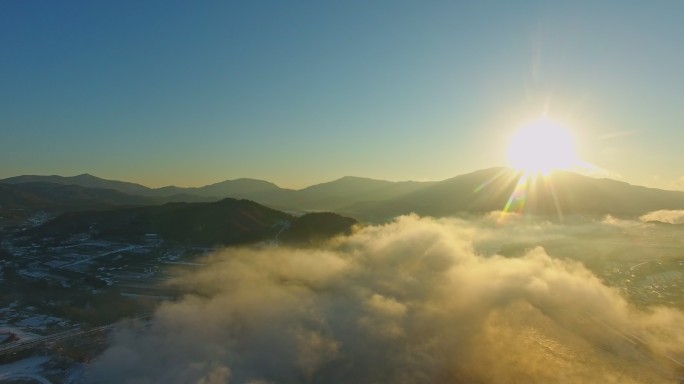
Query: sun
[542, 147]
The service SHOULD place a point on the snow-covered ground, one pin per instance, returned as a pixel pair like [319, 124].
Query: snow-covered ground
[20, 321]
[29, 368]
[41, 322]
[18, 333]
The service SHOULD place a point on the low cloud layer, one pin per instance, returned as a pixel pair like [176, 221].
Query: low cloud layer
[417, 300]
[665, 216]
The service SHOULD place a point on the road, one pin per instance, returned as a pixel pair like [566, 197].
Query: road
[24, 344]
[124, 249]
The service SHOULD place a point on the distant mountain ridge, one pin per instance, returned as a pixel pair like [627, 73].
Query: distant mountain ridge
[485, 190]
[235, 187]
[228, 188]
[337, 194]
[45, 195]
[320, 197]
[21, 200]
[560, 193]
[30, 194]
[83, 180]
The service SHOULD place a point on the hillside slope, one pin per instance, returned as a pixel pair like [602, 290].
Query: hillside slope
[226, 222]
[560, 193]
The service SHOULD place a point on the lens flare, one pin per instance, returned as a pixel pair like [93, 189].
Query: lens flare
[542, 147]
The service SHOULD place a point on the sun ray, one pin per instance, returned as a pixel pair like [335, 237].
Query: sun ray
[490, 181]
[536, 150]
[542, 147]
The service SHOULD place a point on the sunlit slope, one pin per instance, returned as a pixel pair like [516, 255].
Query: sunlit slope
[558, 194]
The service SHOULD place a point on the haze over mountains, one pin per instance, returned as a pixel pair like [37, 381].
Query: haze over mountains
[558, 194]
[325, 196]
[228, 188]
[27, 197]
[322, 292]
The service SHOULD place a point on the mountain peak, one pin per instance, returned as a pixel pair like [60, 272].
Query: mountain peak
[244, 181]
[87, 176]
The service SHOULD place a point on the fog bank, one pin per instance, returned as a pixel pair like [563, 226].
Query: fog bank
[418, 300]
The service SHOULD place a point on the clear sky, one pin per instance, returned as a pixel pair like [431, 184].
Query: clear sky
[296, 92]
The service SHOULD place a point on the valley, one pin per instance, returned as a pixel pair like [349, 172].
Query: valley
[75, 266]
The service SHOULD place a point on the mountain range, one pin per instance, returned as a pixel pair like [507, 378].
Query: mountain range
[332, 195]
[558, 194]
[366, 199]
[233, 188]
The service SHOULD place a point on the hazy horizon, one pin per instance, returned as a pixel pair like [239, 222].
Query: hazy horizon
[297, 94]
[298, 187]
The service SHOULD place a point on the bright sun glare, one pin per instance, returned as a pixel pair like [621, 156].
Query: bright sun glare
[542, 147]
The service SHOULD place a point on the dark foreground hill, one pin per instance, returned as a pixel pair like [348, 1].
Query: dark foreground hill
[226, 222]
[315, 227]
[21, 200]
[49, 196]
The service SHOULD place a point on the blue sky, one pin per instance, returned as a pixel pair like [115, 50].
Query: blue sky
[189, 93]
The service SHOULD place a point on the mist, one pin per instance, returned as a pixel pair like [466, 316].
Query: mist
[495, 299]
[665, 216]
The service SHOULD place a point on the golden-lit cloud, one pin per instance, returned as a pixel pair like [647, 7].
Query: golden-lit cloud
[417, 300]
[665, 216]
